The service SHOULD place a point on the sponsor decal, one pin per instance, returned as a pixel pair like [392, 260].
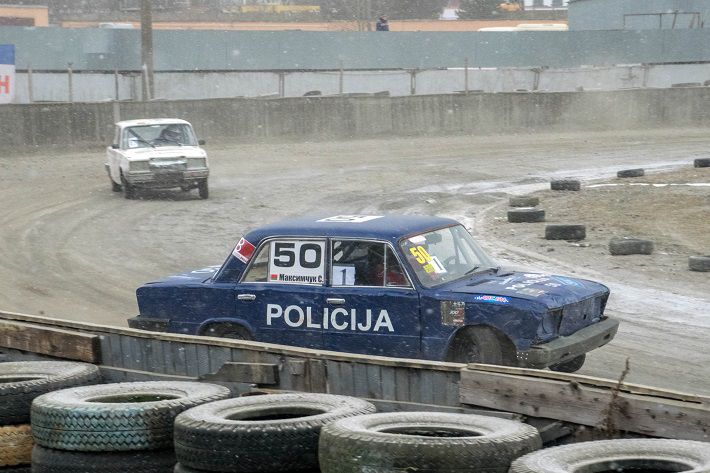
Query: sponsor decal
[500, 300]
[453, 313]
[7, 73]
[349, 218]
[297, 262]
[340, 319]
[243, 251]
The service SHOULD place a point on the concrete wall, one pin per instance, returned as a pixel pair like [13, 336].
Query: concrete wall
[230, 120]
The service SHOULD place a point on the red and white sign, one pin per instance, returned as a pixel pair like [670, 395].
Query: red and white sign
[7, 73]
[243, 251]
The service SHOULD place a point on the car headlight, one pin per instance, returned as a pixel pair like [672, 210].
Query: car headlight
[550, 324]
[196, 163]
[139, 166]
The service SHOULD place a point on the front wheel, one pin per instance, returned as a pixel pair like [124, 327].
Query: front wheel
[203, 189]
[115, 187]
[129, 192]
[478, 345]
[575, 364]
[235, 332]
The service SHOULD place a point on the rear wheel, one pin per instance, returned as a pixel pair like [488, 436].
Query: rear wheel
[479, 345]
[203, 189]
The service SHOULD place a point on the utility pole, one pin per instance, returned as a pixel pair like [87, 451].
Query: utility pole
[147, 49]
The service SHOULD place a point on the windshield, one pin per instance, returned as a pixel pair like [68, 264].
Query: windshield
[172, 134]
[444, 255]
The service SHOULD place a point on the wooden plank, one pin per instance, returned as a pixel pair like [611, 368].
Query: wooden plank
[53, 341]
[388, 390]
[401, 385]
[586, 405]
[317, 376]
[250, 373]
[360, 380]
[374, 381]
[217, 357]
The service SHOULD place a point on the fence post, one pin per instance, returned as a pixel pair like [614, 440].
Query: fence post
[282, 84]
[340, 79]
[413, 82]
[115, 83]
[70, 76]
[30, 94]
[466, 75]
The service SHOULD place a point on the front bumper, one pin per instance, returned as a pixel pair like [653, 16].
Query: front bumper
[147, 323]
[166, 179]
[564, 349]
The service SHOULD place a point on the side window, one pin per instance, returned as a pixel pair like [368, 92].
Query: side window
[289, 261]
[365, 263]
[259, 267]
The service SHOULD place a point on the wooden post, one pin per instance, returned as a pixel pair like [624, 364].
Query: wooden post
[465, 74]
[115, 83]
[70, 77]
[147, 49]
[30, 94]
[282, 84]
[340, 79]
[413, 82]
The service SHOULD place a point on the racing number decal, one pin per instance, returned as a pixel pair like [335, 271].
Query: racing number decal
[297, 262]
[431, 264]
[420, 254]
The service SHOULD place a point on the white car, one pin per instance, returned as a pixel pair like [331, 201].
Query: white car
[156, 153]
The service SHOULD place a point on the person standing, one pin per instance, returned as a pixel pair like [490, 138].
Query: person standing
[382, 24]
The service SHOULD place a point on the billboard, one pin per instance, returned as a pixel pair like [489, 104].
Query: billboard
[7, 73]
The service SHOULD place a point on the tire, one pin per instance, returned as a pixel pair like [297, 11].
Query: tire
[702, 163]
[47, 460]
[231, 331]
[270, 433]
[571, 366]
[699, 263]
[479, 345]
[22, 381]
[15, 445]
[116, 417]
[129, 192]
[565, 185]
[630, 173]
[523, 201]
[526, 215]
[630, 246]
[115, 187]
[565, 232]
[655, 455]
[203, 189]
[424, 442]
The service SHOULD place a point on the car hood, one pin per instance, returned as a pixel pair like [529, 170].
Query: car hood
[192, 277]
[551, 290]
[166, 152]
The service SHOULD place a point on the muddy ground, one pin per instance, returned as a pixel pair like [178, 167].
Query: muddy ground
[73, 249]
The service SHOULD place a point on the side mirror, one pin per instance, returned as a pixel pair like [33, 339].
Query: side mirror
[201, 142]
[114, 146]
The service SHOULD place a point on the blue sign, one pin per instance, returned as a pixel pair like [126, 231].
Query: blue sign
[7, 54]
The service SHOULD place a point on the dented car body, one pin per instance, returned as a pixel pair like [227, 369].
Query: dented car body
[399, 286]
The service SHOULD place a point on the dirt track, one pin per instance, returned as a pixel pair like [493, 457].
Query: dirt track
[75, 250]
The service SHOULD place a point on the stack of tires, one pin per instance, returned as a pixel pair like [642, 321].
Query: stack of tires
[122, 427]
[20, 383]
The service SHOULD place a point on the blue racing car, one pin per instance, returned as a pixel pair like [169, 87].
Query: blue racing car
[399, 286]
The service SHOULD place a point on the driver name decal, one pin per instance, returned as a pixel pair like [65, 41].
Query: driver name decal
[338, 319]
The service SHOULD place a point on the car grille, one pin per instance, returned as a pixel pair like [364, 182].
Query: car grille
[580, 314]
[168, 165]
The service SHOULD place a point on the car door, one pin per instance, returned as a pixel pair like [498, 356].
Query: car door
[282, 291]
[371, 306]
[114, 157]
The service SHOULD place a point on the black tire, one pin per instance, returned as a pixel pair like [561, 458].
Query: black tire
[479, 345]
[15, 445]
[115, 187]
[630, 173]
[526, 215]
[47, 460]
[699, 263]
[129, 192]
[571, 366]
[565, 232]
[270, 433]
[424, 441]
[226, 330]
[116, 417]
[702, 163]
[565, 185]
[655, 455]
[523, 201]
[630, 246]
[22, 381]
[203, 189]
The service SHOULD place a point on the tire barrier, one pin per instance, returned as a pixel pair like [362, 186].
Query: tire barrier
[270, 433]
[424, 441]
[47, 460]
[565, 185]
[22, 381]
[523, 201]
[699, 263]
[565, 232]
[630, 173]
[702, 163]
[116, 417]
[526, 215]
[652, 455]
[630, 246]
[15, 445]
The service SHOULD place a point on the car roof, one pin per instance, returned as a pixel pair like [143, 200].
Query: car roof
[381, 227]
[150, 121]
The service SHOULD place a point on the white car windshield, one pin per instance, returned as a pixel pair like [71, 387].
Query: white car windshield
[173, 134]
[444, 255]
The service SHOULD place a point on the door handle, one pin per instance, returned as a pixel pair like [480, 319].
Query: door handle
[246, 297]
[335, 301]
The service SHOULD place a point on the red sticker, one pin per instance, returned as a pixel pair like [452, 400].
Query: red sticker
[243, 251]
